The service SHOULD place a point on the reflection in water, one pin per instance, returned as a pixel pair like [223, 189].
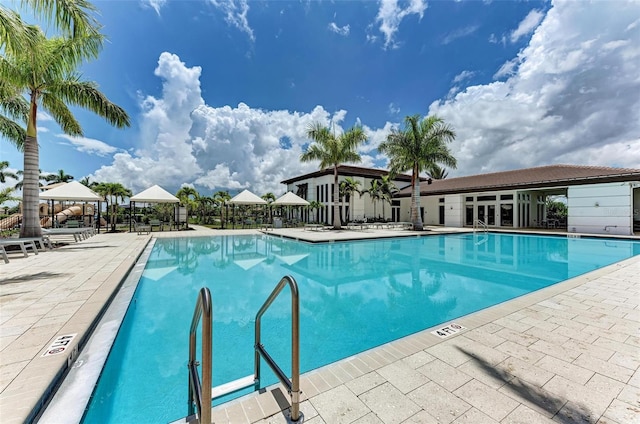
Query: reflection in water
[354, 296]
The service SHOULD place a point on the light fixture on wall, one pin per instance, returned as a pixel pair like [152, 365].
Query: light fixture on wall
[597, 204]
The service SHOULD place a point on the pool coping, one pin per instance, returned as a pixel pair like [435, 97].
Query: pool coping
[271, 401]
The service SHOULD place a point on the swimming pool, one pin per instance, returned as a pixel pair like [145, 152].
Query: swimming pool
[354, 296]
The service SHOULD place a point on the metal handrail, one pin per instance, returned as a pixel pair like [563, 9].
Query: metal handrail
[293, 385]
[478, 223]
[200, 394]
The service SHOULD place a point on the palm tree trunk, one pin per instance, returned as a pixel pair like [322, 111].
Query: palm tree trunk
[30, 189]
[336, 207]
[416, 219]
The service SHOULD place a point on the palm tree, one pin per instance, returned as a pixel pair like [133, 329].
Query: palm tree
[387, 190]
[4, 174]
[202, 204]
[12, 107]
[112, 192]
[46, 73]
[417, 147]
[72, 17]
[221, 198]
[333, 151]
[438, 173]
[6, 195]
[349, 187]
[86, 181]
[188, 196]
[375, 194]
[269, 198]
[41, 179]
[60, 177]
[314, 205]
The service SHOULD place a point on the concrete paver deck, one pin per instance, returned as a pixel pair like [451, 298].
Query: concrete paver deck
[567, 353]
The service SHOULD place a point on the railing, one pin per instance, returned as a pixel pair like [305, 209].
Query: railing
[200, 393]
[293, 385]
[477, 224]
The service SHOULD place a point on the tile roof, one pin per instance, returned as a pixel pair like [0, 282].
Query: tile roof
[542, 176]
[347, 170]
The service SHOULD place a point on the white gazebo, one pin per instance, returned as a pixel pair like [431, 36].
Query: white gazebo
[73, 191]
[154, 194]
[246, 198]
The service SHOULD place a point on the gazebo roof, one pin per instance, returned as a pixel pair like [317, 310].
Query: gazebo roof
[247, 198]
[72, 191]
[155, 194]
[290, 199]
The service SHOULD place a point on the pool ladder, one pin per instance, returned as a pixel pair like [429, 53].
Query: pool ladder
[478, 224]
[201, 394]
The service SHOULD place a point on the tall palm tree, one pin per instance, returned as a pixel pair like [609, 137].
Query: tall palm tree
[332, 150]
[387, 190]
[60, 177]
[349, 187]
[4, 173]
[73, 18]
[46, 74]
[375, 194]
[112, 192]
[417, 147]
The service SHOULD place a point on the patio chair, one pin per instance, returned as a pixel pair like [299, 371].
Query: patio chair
[155, 223]
[141, 228]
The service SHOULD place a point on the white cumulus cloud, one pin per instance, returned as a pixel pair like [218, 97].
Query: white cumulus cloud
[183, 140]
[570, 96]
[527, 25]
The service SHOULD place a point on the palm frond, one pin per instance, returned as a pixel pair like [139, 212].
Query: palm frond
[13, 132]
[61, 114]
[86, 94]
[72, 17]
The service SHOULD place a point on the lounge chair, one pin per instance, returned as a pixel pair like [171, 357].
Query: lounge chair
[3, 253]
[22, 243]
[77, 233]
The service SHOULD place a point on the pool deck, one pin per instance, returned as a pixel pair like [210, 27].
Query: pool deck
[569, 353]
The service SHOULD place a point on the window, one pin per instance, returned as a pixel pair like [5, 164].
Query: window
[441, 200]
[469, 198]
[506, 197]
[486, 198]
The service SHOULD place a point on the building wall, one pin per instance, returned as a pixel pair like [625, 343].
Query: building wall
[361, 206]
[600, 208]
[453, 210]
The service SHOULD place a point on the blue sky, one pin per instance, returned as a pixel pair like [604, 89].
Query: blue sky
[220, 93]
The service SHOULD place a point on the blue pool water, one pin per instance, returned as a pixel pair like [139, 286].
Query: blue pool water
[353, 296]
